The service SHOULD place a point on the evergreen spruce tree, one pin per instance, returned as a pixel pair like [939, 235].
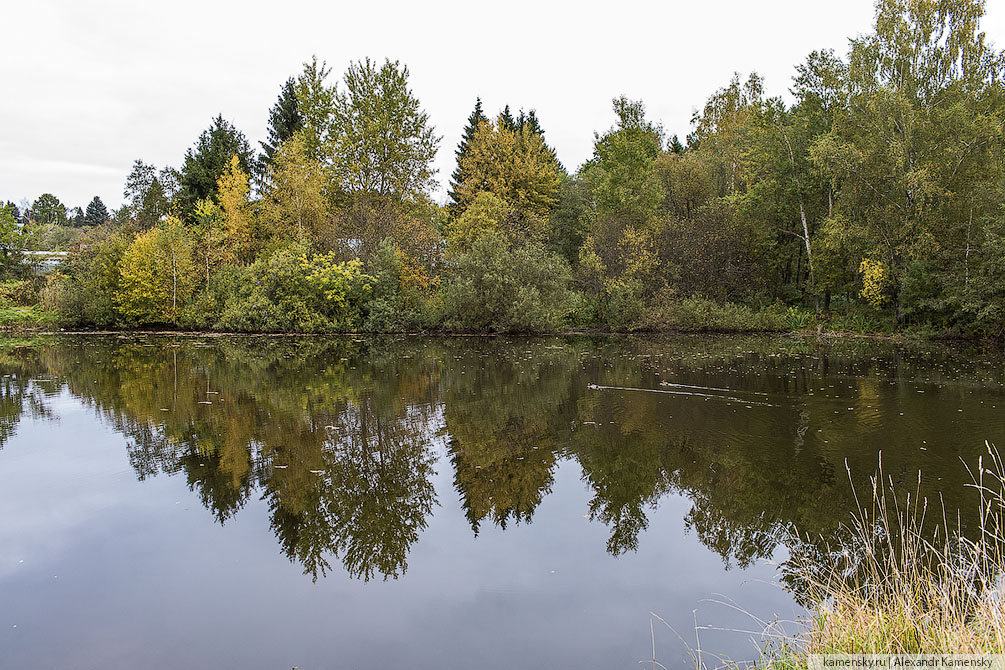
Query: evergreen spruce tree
[531, 122]
[458, 176]
[206, 161]
[284, 120]
[14, 211]
[75, 217]
[506, 120]
[96, 213]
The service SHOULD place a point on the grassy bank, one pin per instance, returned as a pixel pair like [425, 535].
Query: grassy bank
[906, 585]
[33, 317]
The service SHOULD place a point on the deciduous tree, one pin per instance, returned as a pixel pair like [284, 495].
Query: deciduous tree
[232, 195]
[295, 204]
[47, 209]
[381, 143]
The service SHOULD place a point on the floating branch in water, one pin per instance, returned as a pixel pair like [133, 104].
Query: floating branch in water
[708, 388]
[598, 387]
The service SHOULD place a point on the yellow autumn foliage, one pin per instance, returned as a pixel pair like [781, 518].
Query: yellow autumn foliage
[874, 281]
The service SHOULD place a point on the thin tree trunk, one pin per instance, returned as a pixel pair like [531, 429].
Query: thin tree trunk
[809, 256]
[174, 285]
[966, 257]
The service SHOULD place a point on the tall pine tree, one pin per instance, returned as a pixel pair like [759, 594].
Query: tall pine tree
[96, 213]
[506, 120]
[531, 122]
[459, 174]
[284, 120]
[206, 161]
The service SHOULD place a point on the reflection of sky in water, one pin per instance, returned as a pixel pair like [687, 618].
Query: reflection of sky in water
[121, 573]
[124, 573]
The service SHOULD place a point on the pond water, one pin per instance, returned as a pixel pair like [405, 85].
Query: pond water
[271, 502]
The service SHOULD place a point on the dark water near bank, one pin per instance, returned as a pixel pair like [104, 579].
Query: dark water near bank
[248, 502]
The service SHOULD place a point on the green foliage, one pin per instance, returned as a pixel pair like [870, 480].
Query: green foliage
[495, 287]
[207, 161]
[293, 290]
[295, 204]
[459, 174]
[13, 210]
[798, 319]
[84, 295]
[882, 180]
[381, 141]
[149, 193]
[47, 209]
[20, 292]
[400, 292]
[342, 285]
[623, 304]
[703, 315]
[285, 121]
[483, 216]
[315, 101]
[720, 132]
[52, 237]
[96, 214]
[157, 275]
[915, 153]
[515, 166]
[619, 170]
[13, 241]
[532, 124]
[569, 221]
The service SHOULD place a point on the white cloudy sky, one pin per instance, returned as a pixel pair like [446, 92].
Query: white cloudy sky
[88, 86]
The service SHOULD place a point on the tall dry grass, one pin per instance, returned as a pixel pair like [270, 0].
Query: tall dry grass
[907, 586]
[900, 582]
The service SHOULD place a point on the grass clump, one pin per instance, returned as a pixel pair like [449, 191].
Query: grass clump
[898, 582]
[904, 586]
[697, 314]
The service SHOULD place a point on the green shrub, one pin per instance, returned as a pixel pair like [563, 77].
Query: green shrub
[704, 315]
[502, 289]
[295, 291]
[624, 306]
[85, 293]
[20, 292]
[398, 294]
[798, 319]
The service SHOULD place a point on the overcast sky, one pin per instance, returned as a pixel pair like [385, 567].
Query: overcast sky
[91, 86]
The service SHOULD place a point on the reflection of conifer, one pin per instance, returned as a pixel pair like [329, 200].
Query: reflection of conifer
[372, 498]
[500, 481]
[214, 484]
[504, 443]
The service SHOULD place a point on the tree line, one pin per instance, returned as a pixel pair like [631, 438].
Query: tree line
[872, 200]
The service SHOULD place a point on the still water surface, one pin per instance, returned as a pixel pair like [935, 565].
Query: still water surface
[257, 502]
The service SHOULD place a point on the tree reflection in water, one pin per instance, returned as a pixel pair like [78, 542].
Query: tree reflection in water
[340, 436]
